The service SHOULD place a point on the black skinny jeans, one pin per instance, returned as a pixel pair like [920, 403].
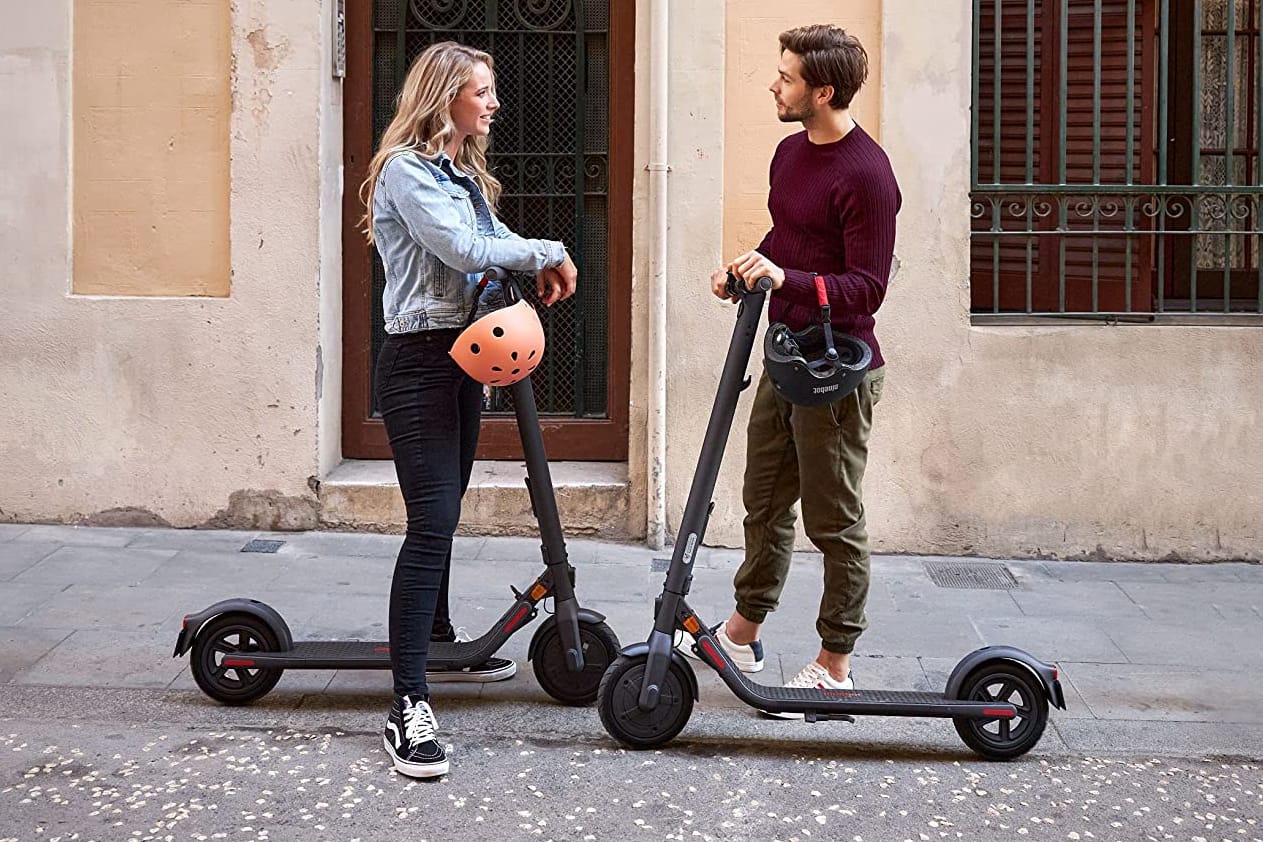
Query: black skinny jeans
[432, 410]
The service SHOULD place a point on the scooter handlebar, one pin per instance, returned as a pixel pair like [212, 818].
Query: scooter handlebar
[507, 280]
[736, 286]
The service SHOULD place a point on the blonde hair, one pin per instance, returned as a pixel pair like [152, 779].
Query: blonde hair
[423, 121]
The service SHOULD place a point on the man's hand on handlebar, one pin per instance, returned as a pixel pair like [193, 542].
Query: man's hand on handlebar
[751, 266]
[719, 285]
[747, 269]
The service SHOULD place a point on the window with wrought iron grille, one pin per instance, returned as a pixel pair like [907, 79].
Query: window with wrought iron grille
[1116, 159]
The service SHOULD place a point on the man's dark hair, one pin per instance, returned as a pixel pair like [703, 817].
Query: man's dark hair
[829, 57]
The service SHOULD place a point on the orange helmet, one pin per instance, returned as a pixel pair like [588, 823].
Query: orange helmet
[502, 347]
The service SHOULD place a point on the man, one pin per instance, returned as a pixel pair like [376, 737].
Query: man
[833, 200]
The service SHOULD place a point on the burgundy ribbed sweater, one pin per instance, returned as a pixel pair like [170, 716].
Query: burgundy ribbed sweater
[833, 211]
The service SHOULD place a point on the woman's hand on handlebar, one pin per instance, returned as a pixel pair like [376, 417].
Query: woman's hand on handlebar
[719, 285]
[558, 283]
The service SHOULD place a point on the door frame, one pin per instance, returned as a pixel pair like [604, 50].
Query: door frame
[579, 439]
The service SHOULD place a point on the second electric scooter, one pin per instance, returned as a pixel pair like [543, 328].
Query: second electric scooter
[997, 696]
[240, 647]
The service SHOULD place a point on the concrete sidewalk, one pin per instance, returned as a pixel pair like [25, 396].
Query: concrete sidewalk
[1154, 657]
[103, 736]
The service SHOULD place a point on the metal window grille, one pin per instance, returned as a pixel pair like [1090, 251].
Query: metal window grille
[1116, 159]
[549, 149]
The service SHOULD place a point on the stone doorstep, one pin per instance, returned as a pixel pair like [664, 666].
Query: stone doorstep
[592, 497]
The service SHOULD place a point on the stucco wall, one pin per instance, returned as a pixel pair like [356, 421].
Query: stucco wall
[751, 130]
[1123, 441]
[180, 410]
[724, 131]
[1065, 441]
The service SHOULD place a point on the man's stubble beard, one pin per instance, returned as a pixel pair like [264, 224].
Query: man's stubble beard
[796, 115]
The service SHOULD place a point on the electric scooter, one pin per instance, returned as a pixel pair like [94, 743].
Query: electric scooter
[239, 648]
[997, 696]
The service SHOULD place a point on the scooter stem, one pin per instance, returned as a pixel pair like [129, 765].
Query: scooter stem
[698, 508]
[539, 486]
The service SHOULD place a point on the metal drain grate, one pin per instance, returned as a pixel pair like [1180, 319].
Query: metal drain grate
[954, 574]
[260, 545]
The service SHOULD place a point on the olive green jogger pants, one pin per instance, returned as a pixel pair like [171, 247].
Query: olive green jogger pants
[816, 454]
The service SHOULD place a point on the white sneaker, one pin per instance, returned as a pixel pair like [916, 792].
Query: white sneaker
[747, 657]
[816, 677]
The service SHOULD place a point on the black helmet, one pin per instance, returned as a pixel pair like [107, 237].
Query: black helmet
[804, 372]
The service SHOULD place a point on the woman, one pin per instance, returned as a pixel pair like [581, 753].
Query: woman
[431, 203]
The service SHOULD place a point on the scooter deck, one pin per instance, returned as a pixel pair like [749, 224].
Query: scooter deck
[839, 703]
[347, 654]
[823, 703]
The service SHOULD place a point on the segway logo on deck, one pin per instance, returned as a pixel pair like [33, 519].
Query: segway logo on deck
[690, 547]
[820, 390]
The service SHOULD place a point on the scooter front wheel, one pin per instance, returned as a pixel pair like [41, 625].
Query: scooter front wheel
[223, 642]
[1008, 683]
[600, 647]
[620, 709]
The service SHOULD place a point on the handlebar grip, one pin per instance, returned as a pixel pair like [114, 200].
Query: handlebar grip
[738, 287]
[512, 291]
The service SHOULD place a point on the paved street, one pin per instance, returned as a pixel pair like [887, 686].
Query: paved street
[104, 736]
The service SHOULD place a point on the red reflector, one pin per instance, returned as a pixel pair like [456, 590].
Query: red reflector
[516, 618]
[238, 662]
[998, 712]
[1056, 673]
[381, 648]
[712, 655]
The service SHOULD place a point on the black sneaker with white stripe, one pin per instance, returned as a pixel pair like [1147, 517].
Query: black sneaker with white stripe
[411, 739]
[492, 669]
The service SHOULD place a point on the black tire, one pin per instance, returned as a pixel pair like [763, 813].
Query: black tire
[232, 634]
[1004, 739]
[600, 648]
[622, 716]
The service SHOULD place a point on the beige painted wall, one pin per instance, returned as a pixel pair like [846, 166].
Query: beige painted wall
[723, 133]
[1140, 441]
[751, 130]
[1129, 441]
[151, 106]
[180, 410]
[1066, 441]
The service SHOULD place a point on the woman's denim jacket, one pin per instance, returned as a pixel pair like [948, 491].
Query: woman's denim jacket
[436, 236]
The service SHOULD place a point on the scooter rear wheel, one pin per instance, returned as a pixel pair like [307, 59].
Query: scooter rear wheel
[620, 710]
[223, 638]
[1004, 739]
[600, 647]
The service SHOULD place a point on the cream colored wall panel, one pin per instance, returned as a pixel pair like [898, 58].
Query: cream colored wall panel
[150, 179]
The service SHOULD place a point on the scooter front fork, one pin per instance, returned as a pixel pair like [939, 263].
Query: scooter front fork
[567, 620]
[659, 660]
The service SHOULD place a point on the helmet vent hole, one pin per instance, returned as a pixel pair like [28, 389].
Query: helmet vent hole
[475, 349]
[514, 356]
[497, 332]
[531, 356]
[496, 368]
[515, 371]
